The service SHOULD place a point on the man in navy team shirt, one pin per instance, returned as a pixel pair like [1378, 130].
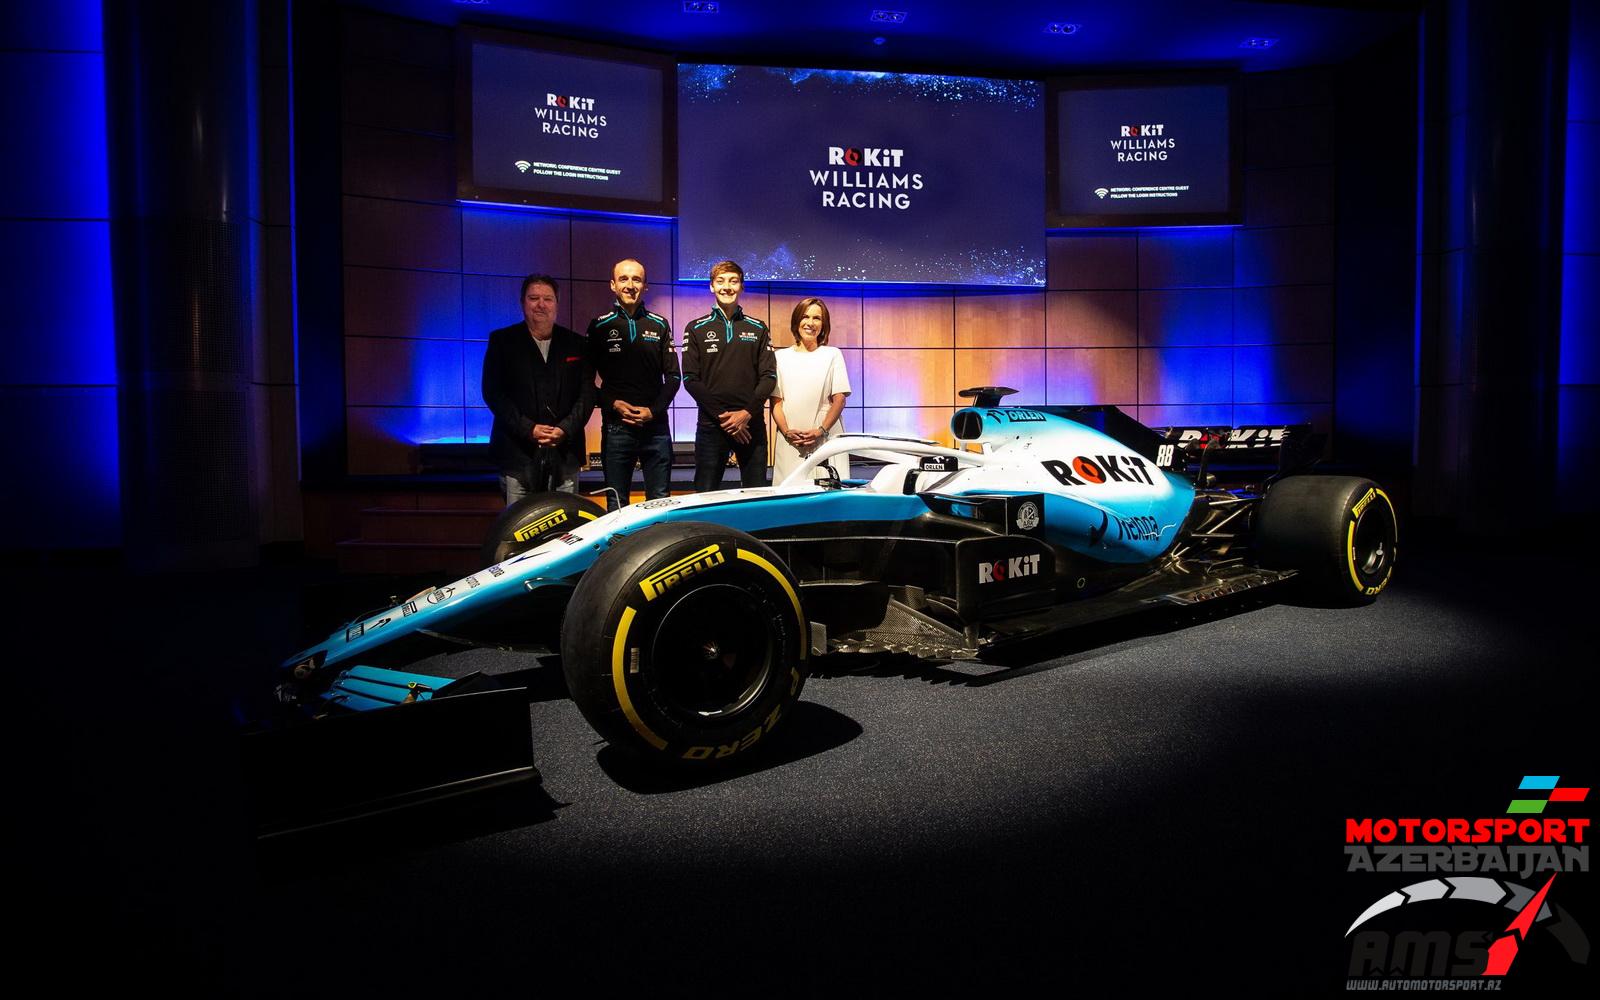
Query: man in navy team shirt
[631, 350]
[730, 370]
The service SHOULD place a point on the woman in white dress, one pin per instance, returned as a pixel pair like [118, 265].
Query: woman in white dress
[809, 400]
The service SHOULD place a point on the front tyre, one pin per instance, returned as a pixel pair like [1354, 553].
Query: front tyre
[1339, 532]
[534, 520]
[686, 642]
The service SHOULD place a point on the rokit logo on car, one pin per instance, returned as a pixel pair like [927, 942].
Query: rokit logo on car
[1002, 570]
[1087, 471]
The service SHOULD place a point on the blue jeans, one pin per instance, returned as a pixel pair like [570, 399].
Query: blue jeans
[651, 446]
[712, 445]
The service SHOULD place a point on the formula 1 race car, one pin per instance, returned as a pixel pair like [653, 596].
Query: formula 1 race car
[687, 625]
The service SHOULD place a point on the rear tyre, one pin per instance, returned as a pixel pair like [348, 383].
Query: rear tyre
[686, 643]
[534, 520]
[1338, 532]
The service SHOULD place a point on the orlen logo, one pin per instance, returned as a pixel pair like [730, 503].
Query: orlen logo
[1002, 570]
[1138, 130]
[566, 101]
[867, 156]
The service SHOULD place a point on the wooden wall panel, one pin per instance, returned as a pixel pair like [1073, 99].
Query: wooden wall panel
[1169, 375]
[1188, 317]
[1095, 375]
[1290, 88]
[1200, 415]
[907, 378]
[1102, 261]
[844, 313]
[930, 422]
[394, 372]
[1283, 314]
[472, 352]
[411, 43]
[589, 299]
[1288, 196]
[489, 302]
[1189, 259]
[1318, 415]
[1291, 373]
[380, 163]
[1022, 370]
[1091, 318]
[480, 421]
[381, 302]
[389, 95]
[1286, 137]
[1295, 255]
[908, 321]
[597, 245]
[515, 243]
[1008, 319]
[379, 233]
[383, 439]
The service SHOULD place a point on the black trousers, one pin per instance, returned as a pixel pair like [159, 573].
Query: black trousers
[712, 446]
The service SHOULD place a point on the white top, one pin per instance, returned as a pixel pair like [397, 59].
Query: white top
[807, 382]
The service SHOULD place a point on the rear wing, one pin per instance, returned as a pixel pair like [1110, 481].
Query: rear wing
[1276, 448]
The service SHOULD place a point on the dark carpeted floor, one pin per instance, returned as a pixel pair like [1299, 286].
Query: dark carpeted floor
[1159, 803]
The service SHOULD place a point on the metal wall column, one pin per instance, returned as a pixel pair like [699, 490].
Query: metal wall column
[181, 83]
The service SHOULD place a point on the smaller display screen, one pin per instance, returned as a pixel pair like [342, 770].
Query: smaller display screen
[1144, 155]
[566, 129]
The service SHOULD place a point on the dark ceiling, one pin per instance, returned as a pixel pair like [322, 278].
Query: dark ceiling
[993, 38]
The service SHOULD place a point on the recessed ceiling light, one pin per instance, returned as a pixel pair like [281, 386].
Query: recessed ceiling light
[701, 7]
[1061, 28]
[888, 17]
[1258, 43]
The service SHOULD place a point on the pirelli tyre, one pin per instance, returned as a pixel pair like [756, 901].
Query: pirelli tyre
[686, 643]
[535, 519]
[1338, 532]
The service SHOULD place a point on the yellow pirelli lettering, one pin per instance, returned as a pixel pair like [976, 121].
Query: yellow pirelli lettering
[1361, 505]
[540, 526]
[619, 681]
[1350, 553]
[660, 582]
[794, 599]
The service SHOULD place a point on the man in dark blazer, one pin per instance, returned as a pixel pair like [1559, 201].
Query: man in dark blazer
[538, 381]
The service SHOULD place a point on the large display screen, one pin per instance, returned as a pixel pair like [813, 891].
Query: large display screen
[565, 125]
[831, 175]
[1143, 153]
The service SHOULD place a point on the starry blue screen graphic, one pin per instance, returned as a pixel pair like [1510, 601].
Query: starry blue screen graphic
[834, 175]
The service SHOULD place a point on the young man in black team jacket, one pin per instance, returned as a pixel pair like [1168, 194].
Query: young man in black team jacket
[538, 381]
[631, 350]
[730, 370]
